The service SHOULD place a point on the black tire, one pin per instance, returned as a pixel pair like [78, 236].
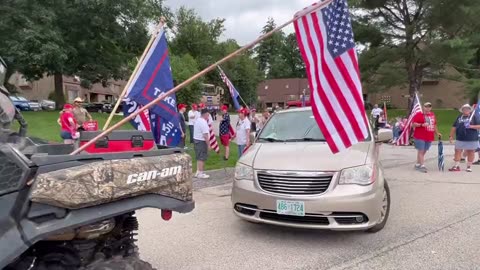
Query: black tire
[120, 263]
[382, 224]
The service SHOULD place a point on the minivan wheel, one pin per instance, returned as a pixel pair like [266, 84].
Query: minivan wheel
[385, 210]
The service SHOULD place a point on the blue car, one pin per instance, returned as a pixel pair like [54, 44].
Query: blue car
[21, 103]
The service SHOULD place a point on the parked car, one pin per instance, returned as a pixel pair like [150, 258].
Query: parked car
[289, 177]
[35, 105]
[94, 107]
[21, 103]
[48, 105]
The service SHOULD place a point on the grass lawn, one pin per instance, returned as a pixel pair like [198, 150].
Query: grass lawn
[44, 125]
[445, 119]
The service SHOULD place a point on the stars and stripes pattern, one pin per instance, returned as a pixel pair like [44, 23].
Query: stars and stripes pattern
[326, 42]
[404, 138]
[213, 139]
[233, 91]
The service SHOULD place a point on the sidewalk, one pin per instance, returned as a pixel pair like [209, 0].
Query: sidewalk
[217, 178]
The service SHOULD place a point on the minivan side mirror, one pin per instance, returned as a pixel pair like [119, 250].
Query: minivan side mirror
[384, 135]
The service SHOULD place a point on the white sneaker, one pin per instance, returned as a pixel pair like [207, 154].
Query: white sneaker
[196, 175]
[203, 176]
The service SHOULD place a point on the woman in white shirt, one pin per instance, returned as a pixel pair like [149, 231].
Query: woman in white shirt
[243, 131]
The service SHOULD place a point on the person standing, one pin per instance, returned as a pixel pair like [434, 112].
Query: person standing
[183, 127]
[225, 131]
[376, 112]
[425, 125]
[192, 116]
[80, 113]
[68, 124]
[254, 121]
[465, 128]
[201, 139]
[243, 131]
[263, 120]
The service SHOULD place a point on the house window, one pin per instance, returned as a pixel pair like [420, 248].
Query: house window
[292, 97]
[386, 99]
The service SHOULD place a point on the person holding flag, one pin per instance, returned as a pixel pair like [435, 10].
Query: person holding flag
[425, 125]
[226, 131]
[465, 128]
[201, 137]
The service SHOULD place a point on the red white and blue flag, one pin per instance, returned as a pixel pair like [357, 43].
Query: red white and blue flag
[404, 138]
[154, 78]
[233, 91]
[325, 39]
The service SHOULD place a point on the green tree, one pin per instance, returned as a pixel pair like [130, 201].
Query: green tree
[242, 71]
[184, 67]
[269, 49]
[288, 63]
[93, 39]
[406, 40]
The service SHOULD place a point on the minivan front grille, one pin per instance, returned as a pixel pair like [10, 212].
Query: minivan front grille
[293, 183]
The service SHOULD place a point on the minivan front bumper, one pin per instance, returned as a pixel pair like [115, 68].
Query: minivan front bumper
[341, 207]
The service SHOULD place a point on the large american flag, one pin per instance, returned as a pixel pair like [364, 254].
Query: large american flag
[326, 42]
[404, 138]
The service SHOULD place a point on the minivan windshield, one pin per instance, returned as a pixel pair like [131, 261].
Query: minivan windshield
[292, 126]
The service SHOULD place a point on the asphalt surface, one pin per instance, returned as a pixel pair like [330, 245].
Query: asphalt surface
[434, 224]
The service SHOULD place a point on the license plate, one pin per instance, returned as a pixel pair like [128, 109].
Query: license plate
[290, 208]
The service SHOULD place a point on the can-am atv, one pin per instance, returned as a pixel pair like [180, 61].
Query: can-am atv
[61, 211]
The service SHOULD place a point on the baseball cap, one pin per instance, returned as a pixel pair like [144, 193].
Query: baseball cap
[427, 104]
[224, 108]
[201, 105]
[78, 100]
[67, 106]
[181, 106]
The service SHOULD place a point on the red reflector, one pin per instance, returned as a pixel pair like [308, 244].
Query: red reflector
[166, 214]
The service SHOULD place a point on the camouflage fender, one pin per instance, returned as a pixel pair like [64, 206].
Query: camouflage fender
[106, 181]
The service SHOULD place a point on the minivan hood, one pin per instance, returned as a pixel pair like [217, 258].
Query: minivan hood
[307, 156]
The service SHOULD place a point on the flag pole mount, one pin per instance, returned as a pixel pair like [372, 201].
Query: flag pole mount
[161, 97]
[139, 62]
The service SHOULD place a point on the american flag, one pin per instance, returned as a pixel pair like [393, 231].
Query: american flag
[213, 139]
[326, 42]
[233, 91]
[404, 138]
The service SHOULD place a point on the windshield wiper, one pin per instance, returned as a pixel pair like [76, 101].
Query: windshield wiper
[271, 140]
[306, 140]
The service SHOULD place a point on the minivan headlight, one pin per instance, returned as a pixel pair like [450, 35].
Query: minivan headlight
[243, 172]
[362, 175]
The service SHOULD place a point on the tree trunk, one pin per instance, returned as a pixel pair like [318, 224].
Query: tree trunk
[59, 96]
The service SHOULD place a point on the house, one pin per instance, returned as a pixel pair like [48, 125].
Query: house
[442, 93]
[277, 92]
[42, 89]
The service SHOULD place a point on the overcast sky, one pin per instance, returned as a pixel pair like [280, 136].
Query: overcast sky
[244, 18]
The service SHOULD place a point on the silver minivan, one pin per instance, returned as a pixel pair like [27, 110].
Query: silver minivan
[289, 177]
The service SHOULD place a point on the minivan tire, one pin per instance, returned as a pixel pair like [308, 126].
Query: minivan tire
[382, 224]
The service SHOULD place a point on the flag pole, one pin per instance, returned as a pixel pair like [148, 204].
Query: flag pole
[221, 70]
[200, 74]
[139, 62]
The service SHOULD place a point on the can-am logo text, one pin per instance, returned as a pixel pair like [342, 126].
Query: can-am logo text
[152, 175]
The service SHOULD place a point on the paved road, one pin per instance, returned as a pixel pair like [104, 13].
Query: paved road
[433, 224]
